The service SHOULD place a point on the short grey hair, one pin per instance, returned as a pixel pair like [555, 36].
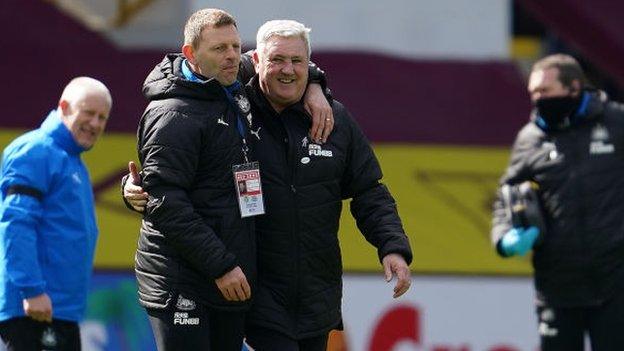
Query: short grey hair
[284, 29]
[80, 87]
[205, 18]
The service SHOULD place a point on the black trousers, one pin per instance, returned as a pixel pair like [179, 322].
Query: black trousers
[262, 339]
[196, 327]
[26, 334]
[564, 329]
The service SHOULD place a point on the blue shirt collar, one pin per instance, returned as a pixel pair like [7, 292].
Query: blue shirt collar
[190, 75]
[194, 77]
[54, 126]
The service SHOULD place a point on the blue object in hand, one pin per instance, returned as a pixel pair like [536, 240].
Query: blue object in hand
[518, 241]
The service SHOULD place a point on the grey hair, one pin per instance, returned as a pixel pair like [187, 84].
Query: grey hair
[80, 87]
[284, 29]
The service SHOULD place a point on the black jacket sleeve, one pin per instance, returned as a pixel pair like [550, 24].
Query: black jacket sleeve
[516, 172]
[372, 206]
[247, 69]
[169, 166]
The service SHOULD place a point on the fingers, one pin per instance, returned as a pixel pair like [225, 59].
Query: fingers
[134, 194]
[387, 271]
[234, 286]
[242, 289]
[322, 123]
[318, 136]
[394, 264]
[403, 282]
[246, 289]
[38, 308]
[44, 315]
[328, 126]
[226, 294]
[135, 178]
[237, 292]
[317, 123]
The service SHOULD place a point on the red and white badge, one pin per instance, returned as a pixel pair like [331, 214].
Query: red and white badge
[249, 189]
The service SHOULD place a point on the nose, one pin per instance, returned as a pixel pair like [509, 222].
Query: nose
[231, 52]
[288, 67]
[97, 122]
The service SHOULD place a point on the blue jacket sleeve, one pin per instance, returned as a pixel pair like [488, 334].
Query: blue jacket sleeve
[27, 168]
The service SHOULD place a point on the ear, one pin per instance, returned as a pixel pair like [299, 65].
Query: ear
[256, 59]
[189, 53]
[575, 87]
[64, 106]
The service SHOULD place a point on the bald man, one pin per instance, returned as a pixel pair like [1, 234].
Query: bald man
[47, 222]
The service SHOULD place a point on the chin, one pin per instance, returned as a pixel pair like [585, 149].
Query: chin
[87, 145]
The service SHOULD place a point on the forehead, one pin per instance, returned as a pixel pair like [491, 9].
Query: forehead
[94, 101]
[543, 77]
[212, 34]
[286, 46]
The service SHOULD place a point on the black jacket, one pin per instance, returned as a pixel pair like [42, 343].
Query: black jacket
[192, 232]
[299, 263]
[579, 260]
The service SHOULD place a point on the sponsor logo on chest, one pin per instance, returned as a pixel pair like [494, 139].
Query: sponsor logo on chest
[182, 318]
[599, 143]
[317, 150]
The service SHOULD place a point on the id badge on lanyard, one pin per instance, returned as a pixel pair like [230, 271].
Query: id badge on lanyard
[246, 175]
[248, 189]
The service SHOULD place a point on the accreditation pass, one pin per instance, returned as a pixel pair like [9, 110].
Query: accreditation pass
[248, 189]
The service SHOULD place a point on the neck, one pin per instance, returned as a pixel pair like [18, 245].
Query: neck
[277, 107]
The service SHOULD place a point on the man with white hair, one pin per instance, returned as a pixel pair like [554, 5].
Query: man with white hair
[298, 299]
[48, 229]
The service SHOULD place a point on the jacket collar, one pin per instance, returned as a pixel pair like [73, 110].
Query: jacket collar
[169, 80]
[592, 105]
[55, 128]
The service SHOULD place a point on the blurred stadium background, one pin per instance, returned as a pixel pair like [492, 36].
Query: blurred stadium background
[438, 86]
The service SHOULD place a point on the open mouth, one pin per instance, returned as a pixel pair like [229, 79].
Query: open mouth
[88, 133]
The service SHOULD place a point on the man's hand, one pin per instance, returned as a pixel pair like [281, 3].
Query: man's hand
[132, 191]
[317, 106]
[233, 285]
[394, 264]
[38, 308]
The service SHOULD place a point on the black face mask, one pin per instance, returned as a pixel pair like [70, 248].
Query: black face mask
[555, 110]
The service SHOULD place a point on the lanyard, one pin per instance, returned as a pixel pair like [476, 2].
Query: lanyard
[239, 118]
[240, 125]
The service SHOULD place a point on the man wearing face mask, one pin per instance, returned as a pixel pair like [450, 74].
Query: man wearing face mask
[573, 149]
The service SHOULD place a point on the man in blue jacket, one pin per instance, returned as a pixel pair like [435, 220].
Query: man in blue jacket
[47, 223]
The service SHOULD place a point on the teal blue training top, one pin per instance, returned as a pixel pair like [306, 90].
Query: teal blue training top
[48, 229]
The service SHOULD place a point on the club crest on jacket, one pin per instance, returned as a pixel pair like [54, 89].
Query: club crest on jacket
[184, 304]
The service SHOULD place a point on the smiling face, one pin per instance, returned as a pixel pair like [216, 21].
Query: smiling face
[86, 117]
[282, 66]
[217, 54]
